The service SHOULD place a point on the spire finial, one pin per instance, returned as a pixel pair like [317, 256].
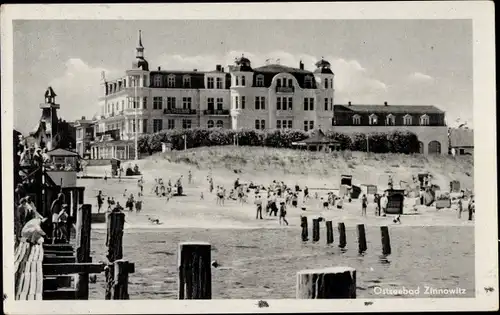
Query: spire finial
[140, 39]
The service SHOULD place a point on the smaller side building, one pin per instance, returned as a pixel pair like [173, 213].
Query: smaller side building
[84, 136]
[462, 141]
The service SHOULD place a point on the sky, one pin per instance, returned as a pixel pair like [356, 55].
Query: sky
[403, 62]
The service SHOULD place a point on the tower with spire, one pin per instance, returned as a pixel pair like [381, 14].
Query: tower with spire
[48, 125]
[140, 62]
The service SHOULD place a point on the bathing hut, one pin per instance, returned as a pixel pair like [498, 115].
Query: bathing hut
[317, 141]
[395, 201]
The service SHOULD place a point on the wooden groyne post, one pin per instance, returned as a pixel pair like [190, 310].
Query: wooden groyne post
[195, 274]
[361, 238]
[342, 237]
[327, 283]
[120, 286]
[315, 230]
[114, 242]
[329, 232]
[83, 229]
[386, 242]
[303, 225]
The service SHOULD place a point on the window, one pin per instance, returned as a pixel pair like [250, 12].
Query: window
[242, 102]
[278, 124]
[123, 105]
[308, 125]
[260, 80]
[186, 81]
[210, 103]
[157, 81]
[462, 151]
[331, 83]
[331, 103]
[210, 83]
[144, 80]
[290, 103]
[390, 120]
[407, 119]
[220, 103]
[171, 124]
[262, 102]
[186, 124]
[326, 103]
[237, 80]
[356, 120]
[157, 125]
[133, 102]
[424, 120]
[283, 124]
[186, 103]
[278, 83]
[210, 124]
[308, 103]
[236, 102]
[145, 102]
[290, 83]
[326, 84]
[262, 124]
[170, 102]
[311, 125]
[373, 119]
[243, 80]
[157, 102]
[290, 124]
[133, 125]
[259, 102]
[145, 126]
[278, 103]
[308, 82]
[171, 81]
[257, 124]
[219, 83]
[220, 124]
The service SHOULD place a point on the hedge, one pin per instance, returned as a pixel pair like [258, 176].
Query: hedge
[381, 142]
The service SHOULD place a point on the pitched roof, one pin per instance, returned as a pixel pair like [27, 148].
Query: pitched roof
[61, 152]
[275, 68]
[317, 137]
[395, 109]
[462, 137]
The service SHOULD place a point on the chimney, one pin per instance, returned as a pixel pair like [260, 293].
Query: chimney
[195, 70]
[159, 68]
[349, 103]
[385, 103]
[218, 68]
[301, 65]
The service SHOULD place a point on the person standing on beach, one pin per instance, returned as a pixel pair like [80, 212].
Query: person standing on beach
[138, 205]
[258, 203]
[140, 183]
[100, 201]
[190, 177]
[383, 203]
[470, 207]
[283, 213]
[306, 193]
[364, 204]
[460, 208]
[130, 203]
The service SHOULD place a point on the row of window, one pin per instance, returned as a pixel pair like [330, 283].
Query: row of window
[390, 120]
[212, 84]
[171, 102]
[284, 124]
[157, 125]
[218, 124]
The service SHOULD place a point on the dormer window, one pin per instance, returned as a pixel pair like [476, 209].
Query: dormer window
[290, 83]
[157, 81]
[373, 119]
[243, 80]
[308, 82]
[424, 120]
[171, 81]
[278, 83]
[407, 120]
[390, 120]
[186, 81]
[356, 119]
[260, 80]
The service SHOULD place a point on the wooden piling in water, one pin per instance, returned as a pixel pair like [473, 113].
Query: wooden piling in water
[303, 225]
[329, 232]
[114, 242]
[386, 242]
[315, 230]
[342, 237]
[327, 283]
[120, 285]
[83, 226]
[361, 238]
[195, 274]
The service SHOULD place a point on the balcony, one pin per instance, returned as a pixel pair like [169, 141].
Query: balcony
[216, 112]
[179, 111]
[285, 89]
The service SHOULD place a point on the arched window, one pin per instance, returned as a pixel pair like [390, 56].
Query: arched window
[307, 82]
[407, 120]
[210, 124]
[290, 83]
[278, 83]
[373, 119]
[220, 124]
[157, 81]
[326, 83]
[260, 80]
[390, 120]
[424, 120]
[356, 119]
[186, 81]
[171, 80]
[434, 147]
